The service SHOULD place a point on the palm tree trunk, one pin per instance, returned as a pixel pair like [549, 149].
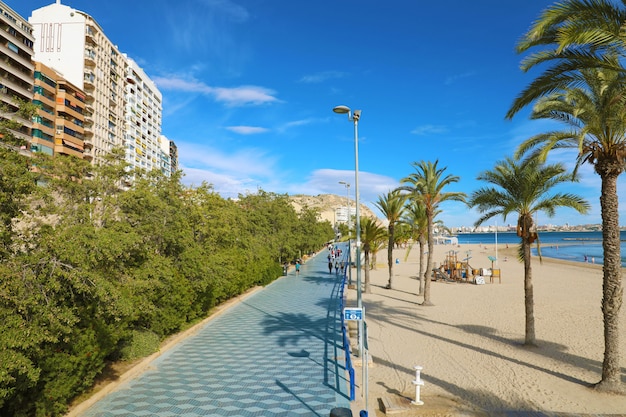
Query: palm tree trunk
[612, 291]
[390, 256]
[421, 273]
[367, 288]
[429, 262]
[529, 299]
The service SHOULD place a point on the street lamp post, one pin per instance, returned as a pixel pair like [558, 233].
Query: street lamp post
[354, 117]
[347, 185]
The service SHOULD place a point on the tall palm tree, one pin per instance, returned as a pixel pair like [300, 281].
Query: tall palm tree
[584, 38]
[391, 206]
[524, 187]
[426, 186]
[373, 236]
[415, 217]
[595, 119]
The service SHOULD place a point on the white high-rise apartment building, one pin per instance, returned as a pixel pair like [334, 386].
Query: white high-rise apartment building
[143, 110]
[123, 106]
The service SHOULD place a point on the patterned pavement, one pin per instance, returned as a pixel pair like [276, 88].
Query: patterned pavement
[277, 353]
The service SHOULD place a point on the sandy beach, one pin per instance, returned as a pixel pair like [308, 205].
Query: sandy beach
[470, 342]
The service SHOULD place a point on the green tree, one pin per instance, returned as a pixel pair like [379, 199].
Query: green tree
[391, 206]
[373, 235]
[525, 188]
[426, 186]
[311, 233]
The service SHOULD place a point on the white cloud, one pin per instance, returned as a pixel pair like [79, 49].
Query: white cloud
[241, 163]
[322, 76]
[247, 130]
[454, 78]
[228, 9]
[235, 96]
[244, 95]
[429, 130]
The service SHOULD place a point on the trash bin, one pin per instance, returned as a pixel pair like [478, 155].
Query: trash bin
[340, 412]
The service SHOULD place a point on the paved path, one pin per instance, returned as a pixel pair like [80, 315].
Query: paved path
[277, 353]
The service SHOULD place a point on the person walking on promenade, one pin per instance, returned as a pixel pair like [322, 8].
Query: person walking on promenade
[330, 267]
[298, 267]
[337, 267]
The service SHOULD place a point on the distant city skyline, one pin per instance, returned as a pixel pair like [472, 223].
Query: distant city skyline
[248, 91]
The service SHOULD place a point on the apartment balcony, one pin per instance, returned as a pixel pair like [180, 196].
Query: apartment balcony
[19, 89]
[88, 154]
[90, 58]
[63, 149]
[90, 35]
[89, 81]
[10, 55]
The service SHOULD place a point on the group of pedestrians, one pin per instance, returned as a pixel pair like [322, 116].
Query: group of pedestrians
[333, 260]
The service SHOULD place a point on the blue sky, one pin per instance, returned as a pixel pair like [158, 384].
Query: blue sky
[249, 87]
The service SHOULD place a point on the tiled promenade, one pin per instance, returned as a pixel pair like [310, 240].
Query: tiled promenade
[277, 353]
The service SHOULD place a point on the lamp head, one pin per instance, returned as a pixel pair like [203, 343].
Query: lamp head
[342, 109]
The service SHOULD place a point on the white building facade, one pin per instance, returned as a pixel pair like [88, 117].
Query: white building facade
[143, 112]
[123, 107]
[16, 68]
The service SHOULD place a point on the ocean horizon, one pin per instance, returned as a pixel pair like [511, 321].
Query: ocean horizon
[570, 246]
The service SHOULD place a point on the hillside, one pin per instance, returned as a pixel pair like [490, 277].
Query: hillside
[326, 204]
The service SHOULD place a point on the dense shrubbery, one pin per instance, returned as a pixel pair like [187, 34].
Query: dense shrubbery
[91, 274]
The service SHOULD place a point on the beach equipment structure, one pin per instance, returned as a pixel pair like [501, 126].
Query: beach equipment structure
[496, 273]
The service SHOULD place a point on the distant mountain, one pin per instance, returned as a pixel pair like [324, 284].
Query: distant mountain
[327, 204]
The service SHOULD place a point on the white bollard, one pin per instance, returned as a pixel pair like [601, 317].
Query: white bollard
[418, 384]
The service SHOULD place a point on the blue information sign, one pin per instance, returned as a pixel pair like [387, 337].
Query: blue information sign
[353, 313]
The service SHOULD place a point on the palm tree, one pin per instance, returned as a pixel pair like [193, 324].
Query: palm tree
[595, 115]
[372, 237]
[523, 187]
[587, 38]
[415, 217]
[575, 35]
[391, 206]
[426, 186]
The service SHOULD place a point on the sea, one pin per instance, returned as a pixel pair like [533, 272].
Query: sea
[569, 246]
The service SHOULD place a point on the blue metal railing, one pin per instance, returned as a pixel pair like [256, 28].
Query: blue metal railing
[344, 331]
